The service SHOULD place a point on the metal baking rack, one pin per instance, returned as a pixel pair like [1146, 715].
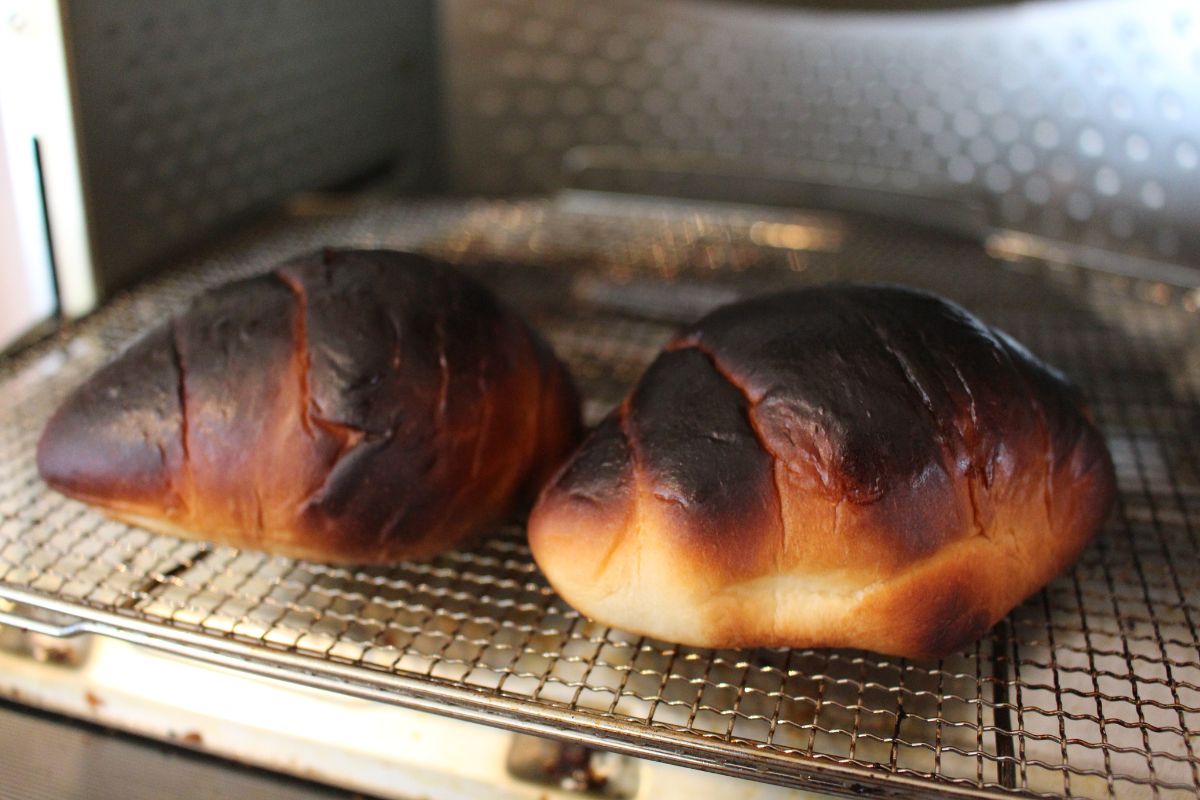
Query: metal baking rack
[1091, 688]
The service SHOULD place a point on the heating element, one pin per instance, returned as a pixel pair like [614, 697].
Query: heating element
[1090, 688]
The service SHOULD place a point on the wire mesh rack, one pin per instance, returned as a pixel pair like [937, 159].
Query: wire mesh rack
[1090, 688]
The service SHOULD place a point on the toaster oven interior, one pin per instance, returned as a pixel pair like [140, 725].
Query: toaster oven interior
[615, 170]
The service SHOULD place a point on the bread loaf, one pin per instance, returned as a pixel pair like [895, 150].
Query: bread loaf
[349, 406]
[848, 466]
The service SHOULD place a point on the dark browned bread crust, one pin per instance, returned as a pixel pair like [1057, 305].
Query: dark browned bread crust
[350, 406]
[851, 465]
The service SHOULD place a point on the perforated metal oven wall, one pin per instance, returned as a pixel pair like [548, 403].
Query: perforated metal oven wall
[1076, 120]
[192, 113]
[1091, 688]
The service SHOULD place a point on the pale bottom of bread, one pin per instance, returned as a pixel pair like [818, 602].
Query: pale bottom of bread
[286, 543]
[923, 610]
[920, 612]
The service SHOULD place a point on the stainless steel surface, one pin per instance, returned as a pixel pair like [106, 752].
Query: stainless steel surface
[191, 114]
[1091, 688]
[581, 770]
[1077, 121]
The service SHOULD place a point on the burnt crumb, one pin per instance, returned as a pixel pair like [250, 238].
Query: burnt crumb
[60, 654]
[572, 770]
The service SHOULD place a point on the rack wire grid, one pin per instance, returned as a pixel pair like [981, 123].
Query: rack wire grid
[1090, 688]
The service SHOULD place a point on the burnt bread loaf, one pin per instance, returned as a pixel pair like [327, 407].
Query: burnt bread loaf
[846, 466]
[349, 406]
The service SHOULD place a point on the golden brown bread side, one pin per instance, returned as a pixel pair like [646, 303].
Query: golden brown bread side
[845, 466]
[349, 406]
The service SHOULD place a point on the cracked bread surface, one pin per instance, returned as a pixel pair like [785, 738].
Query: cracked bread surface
[349, 406]
[851, 465]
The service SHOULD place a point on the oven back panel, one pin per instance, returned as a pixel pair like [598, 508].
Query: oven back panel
[1076, 121]
[192, 114]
